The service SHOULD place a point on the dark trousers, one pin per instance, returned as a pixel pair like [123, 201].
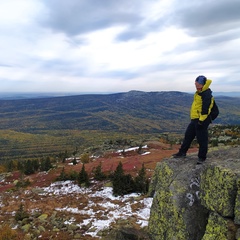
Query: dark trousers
[201, 133]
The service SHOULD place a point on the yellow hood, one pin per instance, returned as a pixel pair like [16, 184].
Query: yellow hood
[206, 85]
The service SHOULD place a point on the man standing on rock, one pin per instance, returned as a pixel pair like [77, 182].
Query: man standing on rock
[200, 119]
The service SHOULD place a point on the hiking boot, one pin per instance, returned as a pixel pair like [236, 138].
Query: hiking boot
[179, 155]
[200, 161]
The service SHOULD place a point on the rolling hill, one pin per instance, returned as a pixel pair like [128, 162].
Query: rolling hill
[45, 125]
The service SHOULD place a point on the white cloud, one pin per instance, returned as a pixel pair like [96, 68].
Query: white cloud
[20, 12]
[86, 46]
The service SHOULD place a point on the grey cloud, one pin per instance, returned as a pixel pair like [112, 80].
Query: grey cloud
[198, 18]
[73, 42]
[131, 34]
[76, 17]
[222, 37]
[208, 17]
[205, 42]
[140, 30]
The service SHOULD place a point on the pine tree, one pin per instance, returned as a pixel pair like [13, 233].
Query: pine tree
[20, 166]
[10, 166]
[21, 213]
[129, 184]
[36, 165]
[139, 151]
[28, 167]
[117, 180]
[98, 174]
[45, 164]
[63, 176]
[63, 156]
[74, 162]
[83, 177]
[141, 181]
[122, 184]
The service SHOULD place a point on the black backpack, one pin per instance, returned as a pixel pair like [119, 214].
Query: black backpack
[214, 111]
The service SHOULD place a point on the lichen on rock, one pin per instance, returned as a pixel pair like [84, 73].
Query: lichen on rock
[218, 189]
[176, 191]
[219, 228]
[237, 204]
[196, 202]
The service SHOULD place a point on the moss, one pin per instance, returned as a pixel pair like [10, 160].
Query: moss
[218, 190]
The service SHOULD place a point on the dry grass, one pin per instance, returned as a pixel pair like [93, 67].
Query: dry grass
[34, 203]
[7, 233]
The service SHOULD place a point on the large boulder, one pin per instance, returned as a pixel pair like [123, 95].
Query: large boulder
[126, 234]
[194, 202]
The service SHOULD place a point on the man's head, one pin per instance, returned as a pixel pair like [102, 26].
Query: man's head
[200, 81]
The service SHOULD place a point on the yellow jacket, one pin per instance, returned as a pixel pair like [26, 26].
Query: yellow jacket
[202, 102]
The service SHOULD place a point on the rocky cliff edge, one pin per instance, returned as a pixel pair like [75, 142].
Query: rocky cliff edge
[197, 202]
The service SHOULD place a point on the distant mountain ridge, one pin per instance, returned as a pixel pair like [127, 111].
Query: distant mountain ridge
[134, 111]
[22, 95]
[32, 128]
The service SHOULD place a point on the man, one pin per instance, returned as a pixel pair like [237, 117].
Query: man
[200, 120]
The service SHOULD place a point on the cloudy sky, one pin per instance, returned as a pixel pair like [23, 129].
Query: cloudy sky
[118, 46]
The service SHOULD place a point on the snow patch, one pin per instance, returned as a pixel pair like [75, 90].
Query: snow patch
[110, 212]
[130, 149]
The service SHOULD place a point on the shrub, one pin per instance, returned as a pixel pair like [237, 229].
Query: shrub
[21, 213]
[63, 176]
[2, 169]
[73, 175]
[85, 158]
[214, 143]
[23, 183]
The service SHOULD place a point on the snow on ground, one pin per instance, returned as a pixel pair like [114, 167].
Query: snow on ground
[108, 208]
[146, 153]
[130, 149]
[64, 188]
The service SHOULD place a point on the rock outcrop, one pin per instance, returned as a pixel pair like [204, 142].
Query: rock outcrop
[197, 202]
[126, 234]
